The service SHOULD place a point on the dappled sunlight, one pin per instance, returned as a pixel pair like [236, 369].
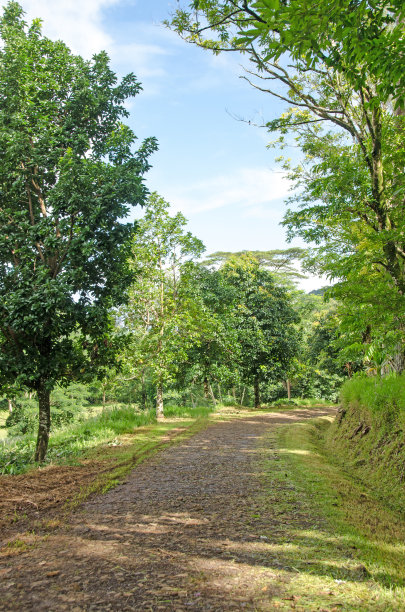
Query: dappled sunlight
[296, 451]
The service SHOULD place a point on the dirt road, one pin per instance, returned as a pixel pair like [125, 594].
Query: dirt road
[185, 531]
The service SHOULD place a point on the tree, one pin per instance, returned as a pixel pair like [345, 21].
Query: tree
[282, 263]
[355, 39]
[339, 65]
[263, 319]
[162, 314]
[68, 174]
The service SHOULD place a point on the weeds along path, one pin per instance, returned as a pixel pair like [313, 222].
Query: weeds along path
[190, 529]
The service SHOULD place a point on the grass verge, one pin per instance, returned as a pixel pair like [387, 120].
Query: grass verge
[72, 442]
[348, 547]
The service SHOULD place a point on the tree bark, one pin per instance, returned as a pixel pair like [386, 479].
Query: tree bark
[242, 397]
[143, 392]
[159, 401]
[257, 392]
[288, 388]
[208, 392]
[44, 404]
[220, 394]
[10, 405]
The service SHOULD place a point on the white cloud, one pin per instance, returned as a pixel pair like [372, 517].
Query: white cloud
[78, 24]
[249, 188]
[142, 59]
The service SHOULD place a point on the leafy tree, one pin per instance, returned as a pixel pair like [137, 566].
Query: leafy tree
[162, 314]
[263, 319]
[68, 174]
[282, 263]
[343, 72]
[355, 39]
[214, 356]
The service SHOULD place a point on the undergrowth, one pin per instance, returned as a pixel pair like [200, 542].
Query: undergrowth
[74, 440]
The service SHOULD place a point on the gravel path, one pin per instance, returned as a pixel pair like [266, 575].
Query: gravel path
[183, 532]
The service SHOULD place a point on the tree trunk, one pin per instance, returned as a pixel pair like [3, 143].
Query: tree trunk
[103, 397]
[257, 392]
[10, 405]
[242, 397]
[206, 390]
[159, 401]
[211, 392]
[44, 403]
[288, 383]
[143, 392]
[219, 393]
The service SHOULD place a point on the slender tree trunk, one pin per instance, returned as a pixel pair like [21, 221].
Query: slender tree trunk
[159, 401]
[103, 397]
[219, 393]
[44, 403]
[10, 405]
[234, 393]
[288, 383]
[208, 392]
[257, 392]
[143, 392]
[242, 397]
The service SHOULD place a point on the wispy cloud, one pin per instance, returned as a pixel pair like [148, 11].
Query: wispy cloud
[251, 189]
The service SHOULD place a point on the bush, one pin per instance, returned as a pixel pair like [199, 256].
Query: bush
[67, 405]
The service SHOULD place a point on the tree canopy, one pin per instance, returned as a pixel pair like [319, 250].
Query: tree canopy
[68, 175]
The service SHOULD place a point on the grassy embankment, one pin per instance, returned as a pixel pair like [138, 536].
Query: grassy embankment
[348, 475]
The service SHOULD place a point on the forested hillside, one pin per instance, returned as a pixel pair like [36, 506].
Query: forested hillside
[122, 339]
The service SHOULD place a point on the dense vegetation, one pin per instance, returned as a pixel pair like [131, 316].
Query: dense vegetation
[96, 312]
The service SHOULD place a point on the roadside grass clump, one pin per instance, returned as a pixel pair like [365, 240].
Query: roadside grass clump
[300, 401]
[188, 411]
[73, 441]
[352, 547]
[368, 435]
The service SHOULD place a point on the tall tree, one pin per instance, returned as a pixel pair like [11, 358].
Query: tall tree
[162, 314]
[68, 174]
[338, 68]
[263, 318]
[282, 263]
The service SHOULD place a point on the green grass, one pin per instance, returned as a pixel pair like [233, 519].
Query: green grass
[74, 441]
[3, 418]
[347, 547]
[384, 397]
[367, 438]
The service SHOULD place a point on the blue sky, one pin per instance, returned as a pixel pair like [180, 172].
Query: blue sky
[211, 166]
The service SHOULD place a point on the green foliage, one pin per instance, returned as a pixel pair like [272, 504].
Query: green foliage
[343, 72]
[263, 319]
[384, 398]
[368, 434]
[164, 314]
[354, 39]
[68, 175]
[67, 405]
